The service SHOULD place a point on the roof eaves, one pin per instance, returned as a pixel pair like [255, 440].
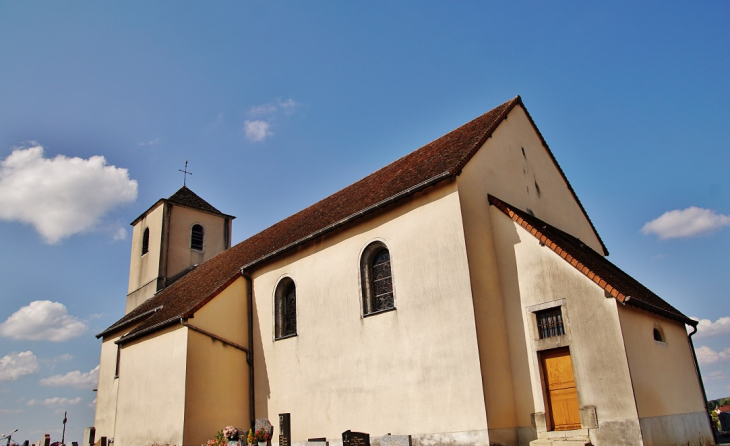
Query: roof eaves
[142, 215]
[660, 311]
[544, 239]
[577, 264]
[128, 322]
[381, 204]
[210, 297]
[138, 334]
[218, 213]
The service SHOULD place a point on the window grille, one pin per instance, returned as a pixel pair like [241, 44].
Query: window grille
[550, 323]
[286, 309]
[382, 285]
[145, 241]
[196, 238]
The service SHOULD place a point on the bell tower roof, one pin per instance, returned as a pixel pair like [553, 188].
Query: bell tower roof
[188, 198]
[185, 197]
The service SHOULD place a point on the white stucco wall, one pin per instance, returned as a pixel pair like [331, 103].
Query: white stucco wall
[514, 166]
[170, 252]
[151, 401]
[182, 219]
[531, 275]
[146, 268]
[414, 370]
[668, 394]
[105, 411]
[217, 381]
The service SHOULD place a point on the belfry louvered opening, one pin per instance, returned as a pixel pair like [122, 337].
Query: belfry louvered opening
[197, 235]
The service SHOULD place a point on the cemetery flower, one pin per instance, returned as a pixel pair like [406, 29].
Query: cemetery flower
[231, 433]
[262, 435]
[250, 439]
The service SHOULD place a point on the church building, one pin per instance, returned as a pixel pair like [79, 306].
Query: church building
[460, 295]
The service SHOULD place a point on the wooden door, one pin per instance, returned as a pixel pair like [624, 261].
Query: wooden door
[560, 387]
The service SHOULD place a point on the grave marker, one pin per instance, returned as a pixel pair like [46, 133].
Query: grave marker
[284, 429]
[350, 438]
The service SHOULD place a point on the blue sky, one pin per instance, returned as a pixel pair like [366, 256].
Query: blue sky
[279, 104]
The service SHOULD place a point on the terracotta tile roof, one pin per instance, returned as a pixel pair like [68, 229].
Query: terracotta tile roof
[437, 161]
[189, 198]
[185, 197]
[605, 274]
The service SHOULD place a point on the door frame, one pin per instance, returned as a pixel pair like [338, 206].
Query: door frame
[549, 422]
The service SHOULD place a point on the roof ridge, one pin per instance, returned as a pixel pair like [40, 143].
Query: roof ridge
[437, 161]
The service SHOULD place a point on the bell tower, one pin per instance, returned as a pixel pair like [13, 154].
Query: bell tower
[170, 239]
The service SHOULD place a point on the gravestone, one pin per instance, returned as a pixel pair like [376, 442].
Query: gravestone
[266, 424]
[321, 441]
[89, 436]
[395, 440]
[350, 438]
[284, 429]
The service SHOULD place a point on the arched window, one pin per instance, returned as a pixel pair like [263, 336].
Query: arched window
[285, 308]
[377, 279]
[197, 234]
[659, 334]
[145, 241]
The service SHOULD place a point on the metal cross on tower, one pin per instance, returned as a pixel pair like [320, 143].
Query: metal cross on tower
[185, 172]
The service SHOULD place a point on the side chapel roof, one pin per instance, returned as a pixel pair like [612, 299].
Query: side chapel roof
[439, 160]
[605, 274]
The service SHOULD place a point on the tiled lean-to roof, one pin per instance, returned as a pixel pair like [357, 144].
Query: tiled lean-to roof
[437, 161]
[605, 274]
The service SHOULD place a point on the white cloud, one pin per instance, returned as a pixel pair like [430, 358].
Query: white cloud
[75, 379]
[151, 142]
[55, 402]
[256, 130]
[262, 110]
[686, 223]
[288, 106]
[706, 328]
[92, 404]
[60, 196]
[706, 355]
[716, 375]
[17, 365]
[42, 320]
[10, 411]
[119, 234]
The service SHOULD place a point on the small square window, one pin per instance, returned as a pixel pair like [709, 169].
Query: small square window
[550, 323]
